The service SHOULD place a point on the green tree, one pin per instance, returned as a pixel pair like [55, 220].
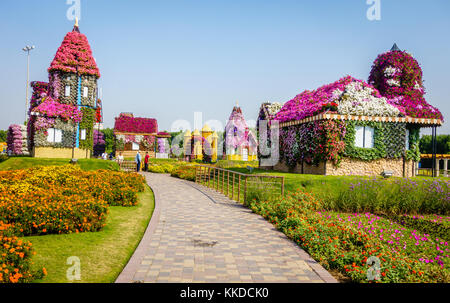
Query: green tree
[109, 140]
[442, 144]
[3, 135]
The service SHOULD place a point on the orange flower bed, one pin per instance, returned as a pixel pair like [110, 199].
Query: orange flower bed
[15, 258]
[55, 200]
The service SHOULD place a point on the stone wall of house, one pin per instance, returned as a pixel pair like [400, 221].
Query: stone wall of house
[298, 169]
[349, 166]
[63, 153]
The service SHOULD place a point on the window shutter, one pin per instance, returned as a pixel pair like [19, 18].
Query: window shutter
[359, 136]
[368, 137]
[51, 135]
[67, 91]
[58, 136]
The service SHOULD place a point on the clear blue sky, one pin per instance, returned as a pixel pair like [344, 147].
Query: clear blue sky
[167, 59]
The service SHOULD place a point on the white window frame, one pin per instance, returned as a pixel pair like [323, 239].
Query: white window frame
[67, 91]
[364, 136]
[83, 134]
[51, 135]
[134, 146]
[54, 135]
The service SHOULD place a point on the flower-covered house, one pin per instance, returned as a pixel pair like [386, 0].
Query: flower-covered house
[240, 142]
[354, 127]
[62, 111]
[135, 134]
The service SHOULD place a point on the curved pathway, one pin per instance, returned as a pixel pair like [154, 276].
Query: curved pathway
[199, 235]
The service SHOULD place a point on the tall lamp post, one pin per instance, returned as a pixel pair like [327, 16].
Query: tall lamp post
[27, 49]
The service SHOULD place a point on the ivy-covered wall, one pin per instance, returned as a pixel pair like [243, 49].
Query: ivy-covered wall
[331, 140]
[389, 141]
[87, 123]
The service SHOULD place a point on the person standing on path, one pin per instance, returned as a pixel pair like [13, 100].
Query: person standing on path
[147, 156]
[138, 161]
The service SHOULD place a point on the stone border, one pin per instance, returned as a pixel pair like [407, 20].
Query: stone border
[127, 274]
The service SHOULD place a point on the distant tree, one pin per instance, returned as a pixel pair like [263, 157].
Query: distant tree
[109, 140]
[3, 134]
[442, 144]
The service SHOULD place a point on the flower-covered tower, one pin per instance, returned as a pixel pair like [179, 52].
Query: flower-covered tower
[240, 142]
[63, 111]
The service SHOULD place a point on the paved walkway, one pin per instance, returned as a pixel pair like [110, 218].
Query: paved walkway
[199, 235]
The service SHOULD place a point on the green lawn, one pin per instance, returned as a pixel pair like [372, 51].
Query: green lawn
[27, 162]
[104, 254]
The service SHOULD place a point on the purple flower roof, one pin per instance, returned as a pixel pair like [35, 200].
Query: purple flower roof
[127, 123]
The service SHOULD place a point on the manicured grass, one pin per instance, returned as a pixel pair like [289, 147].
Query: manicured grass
[85, 164]
[102, 254]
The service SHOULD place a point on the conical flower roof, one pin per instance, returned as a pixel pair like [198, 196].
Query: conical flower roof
[75, 55]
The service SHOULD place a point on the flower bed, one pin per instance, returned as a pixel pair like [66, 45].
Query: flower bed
[63, 199]
[346, 242]
[15, 258]
[186, 172]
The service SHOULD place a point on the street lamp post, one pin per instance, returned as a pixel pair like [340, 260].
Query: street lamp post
[27, 49]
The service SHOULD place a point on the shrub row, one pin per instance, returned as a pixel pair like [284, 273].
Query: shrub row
[395, 197]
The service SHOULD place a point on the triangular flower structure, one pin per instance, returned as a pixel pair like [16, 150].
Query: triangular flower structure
[238, 137]
[63, 111]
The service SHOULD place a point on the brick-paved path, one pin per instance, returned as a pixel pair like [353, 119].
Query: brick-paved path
[199, 235]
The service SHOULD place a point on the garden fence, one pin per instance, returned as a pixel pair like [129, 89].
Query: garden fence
[128, 166]
[239, 186]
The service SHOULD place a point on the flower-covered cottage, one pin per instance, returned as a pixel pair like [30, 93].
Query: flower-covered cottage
[63, 111]
[353, 127]
[240, 142]
[135, 134]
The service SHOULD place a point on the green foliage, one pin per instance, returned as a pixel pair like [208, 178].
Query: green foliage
[3, 134]
[413, 153]
[367, 154]
[442, 144]
[186, 172]
[345, 242]
[87, 123]
[109, 140]
[394, 196]
[435, 225]
[3, 158]
[389, 141]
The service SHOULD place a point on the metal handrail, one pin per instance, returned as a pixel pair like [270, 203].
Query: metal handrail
[215, 177]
